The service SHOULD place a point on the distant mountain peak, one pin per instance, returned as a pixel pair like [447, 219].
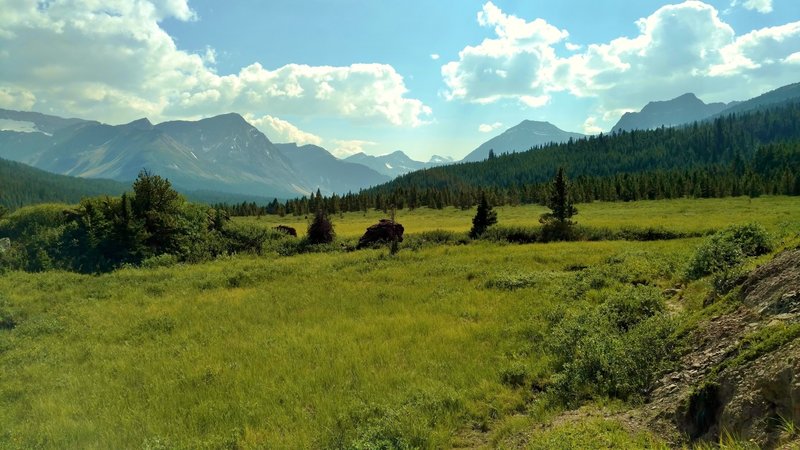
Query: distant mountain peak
[683, 109]
[139, 124]
[522, 137]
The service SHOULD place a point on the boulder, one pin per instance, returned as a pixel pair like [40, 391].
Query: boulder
[286, 230]
[5, 244]
[383, 232]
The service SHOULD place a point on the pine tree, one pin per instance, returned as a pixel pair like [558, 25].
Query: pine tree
[557, 223]
[484, 218]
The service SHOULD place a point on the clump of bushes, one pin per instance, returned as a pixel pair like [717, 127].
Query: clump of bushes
[616, 349]
[153, 226]
[727, 249]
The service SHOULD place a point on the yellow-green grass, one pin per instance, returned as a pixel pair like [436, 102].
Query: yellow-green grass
[280, 352]
[778, 214]
[324, 349]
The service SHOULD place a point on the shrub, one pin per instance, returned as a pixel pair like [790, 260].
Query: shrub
[727, 249]
[515, 235]
[320, 231]
[634, 304]
[594, 356]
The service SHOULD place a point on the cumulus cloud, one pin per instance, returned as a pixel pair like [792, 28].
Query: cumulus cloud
[489, 127]
[112, 60]
[345, 148]
[518, 61]
[680, 48]
[279, 130]
[435, 56]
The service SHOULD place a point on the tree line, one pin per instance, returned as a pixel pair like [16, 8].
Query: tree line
[773, 169]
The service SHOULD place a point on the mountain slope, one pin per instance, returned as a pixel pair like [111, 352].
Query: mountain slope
[522, 137]
[686, 108]
[788, 93]
[709, 144]
[222, 153]
[22, 185]
[42, 123]
[328, 173]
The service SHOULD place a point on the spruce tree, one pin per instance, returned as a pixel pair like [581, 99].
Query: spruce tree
[484, 218]
[557, 223]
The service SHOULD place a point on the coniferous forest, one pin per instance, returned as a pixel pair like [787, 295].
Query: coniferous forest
[756, 153]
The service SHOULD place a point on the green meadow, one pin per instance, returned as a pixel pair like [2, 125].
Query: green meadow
[438, 346]
[682, 215]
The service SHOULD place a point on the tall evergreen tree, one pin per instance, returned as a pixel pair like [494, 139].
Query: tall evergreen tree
[557, 224]
[484, 218]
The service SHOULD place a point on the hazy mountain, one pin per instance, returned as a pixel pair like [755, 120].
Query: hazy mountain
[437, 160]
[680, 110]
[34, 122]
[328, 173]
[222, 153]
[392, 165]
[528, 134]
[788, 93]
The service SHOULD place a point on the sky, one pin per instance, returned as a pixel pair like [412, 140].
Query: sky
[423, 76]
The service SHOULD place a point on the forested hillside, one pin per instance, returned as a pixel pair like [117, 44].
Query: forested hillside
[24, 185]
[753, 154]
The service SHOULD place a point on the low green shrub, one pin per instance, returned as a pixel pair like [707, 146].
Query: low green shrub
[727, 249]
[632, 305]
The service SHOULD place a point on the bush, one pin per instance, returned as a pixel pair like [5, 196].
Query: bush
[727, 249]
[320, 231]
[515, 235]
[627, 308]
[593, 357]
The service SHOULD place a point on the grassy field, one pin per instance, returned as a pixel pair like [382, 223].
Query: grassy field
[327, 350]
[778, 214]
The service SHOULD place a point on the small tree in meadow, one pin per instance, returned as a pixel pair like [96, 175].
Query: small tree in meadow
[320, 231]
[558, 222]
[484, 218]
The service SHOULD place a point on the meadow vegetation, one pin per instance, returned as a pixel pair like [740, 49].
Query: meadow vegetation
[448, 342]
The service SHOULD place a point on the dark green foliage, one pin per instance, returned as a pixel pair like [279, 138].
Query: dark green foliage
[153, 226]
[22, 185]
[557, 224]
[320, 231]
[485, 217]
[728, 248]
[632, 305]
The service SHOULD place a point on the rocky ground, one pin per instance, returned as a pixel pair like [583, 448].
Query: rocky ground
[741, 375]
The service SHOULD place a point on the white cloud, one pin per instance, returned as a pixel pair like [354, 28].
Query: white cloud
[111, 60]
[516, 62]
[489, 127]
[679, 48]
[572, 47]
[345, 148]
[279, 130]
[762, 6]
[435, 56]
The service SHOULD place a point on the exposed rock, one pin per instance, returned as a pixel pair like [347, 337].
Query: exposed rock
[384, 231]
[5, 244]
[286, 230]
[711, 393]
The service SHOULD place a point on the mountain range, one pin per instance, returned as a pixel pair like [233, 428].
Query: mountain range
[396, 163]
[687, 108]
[222, 153]
[225, 156]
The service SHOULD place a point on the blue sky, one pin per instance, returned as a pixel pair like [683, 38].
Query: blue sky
[425, 77]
